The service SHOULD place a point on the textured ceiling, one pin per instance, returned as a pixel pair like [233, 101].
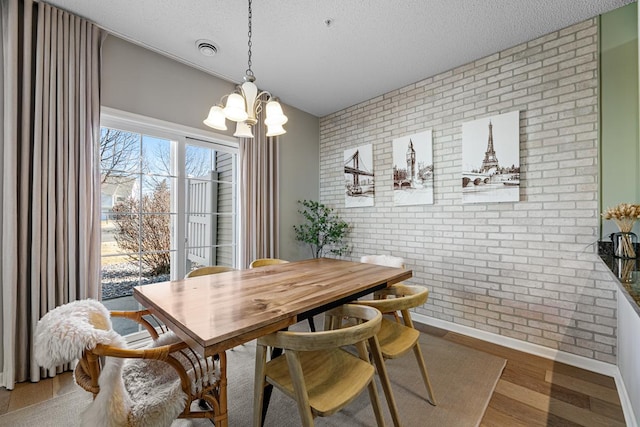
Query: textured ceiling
[372, 46]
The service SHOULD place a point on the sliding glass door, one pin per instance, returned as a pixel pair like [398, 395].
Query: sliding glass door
[168, 205]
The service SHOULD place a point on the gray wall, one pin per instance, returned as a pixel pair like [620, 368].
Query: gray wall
[524, 270]
[140, 81]
[299, 177]
[620, 149]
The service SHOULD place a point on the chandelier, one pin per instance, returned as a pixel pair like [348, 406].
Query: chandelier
[244, 105]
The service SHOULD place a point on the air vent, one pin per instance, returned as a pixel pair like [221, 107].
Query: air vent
[206, 47]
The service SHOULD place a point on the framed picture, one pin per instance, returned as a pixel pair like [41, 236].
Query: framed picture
[413, 169]
[491, 159]
[359, 177]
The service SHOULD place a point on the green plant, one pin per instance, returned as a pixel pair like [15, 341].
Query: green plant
[323, 230]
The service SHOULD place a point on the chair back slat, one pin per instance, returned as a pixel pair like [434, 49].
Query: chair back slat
[261, 262]
[210, 269]
[399, 297]
[312, 341]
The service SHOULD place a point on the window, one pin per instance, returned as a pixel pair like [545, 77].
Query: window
[169, 203]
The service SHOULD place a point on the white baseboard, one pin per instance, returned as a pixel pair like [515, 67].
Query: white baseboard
[538, 350]
[625, 401]
[535, 349]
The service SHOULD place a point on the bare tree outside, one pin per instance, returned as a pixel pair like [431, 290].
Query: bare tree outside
[119, 153]
[197, 161]
[142, 229]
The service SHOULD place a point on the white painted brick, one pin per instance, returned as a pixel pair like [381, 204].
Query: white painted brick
[515, 269]
[531, 332]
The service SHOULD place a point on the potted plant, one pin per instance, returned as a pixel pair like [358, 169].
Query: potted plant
[322, 230]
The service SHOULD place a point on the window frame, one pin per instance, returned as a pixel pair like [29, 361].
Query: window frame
[183, 135]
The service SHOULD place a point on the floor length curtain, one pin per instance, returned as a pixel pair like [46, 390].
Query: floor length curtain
[259, 196]
[50, 232]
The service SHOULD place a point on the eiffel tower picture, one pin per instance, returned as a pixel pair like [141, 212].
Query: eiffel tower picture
[490, 160]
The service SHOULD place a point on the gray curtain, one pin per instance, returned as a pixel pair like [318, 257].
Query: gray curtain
[259, 196]
[50, 234]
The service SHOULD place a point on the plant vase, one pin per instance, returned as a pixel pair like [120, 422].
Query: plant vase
[624, 245]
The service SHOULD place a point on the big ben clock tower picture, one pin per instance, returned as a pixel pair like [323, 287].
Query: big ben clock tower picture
[411, 162]
[413, 169]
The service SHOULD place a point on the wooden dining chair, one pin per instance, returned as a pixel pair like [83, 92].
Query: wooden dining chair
[387, 261]
[316, 371]
[397, 339]
[210, 269]
[148, 386]
[260, 262]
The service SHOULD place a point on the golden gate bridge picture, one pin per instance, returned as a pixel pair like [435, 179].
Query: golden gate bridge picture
[491, 159]
[359, 176]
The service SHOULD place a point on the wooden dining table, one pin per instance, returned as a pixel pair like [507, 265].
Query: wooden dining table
[220, 311]
[217, 312]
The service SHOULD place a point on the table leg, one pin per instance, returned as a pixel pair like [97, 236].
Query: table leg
[224, 421]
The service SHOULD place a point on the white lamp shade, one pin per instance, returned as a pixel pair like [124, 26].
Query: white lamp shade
[275, 116]
[250, 93]
[235, 108]
[216, 118]
[243, 130]
[275, 130]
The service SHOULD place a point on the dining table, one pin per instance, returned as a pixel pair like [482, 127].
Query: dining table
[217, 312]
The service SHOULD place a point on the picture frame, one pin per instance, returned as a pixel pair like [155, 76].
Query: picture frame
[413, 169]
[359, 177]
[491, 159]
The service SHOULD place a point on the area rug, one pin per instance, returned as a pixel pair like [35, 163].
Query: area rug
[463, 380]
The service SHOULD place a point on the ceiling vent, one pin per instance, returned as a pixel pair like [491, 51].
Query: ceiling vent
[206, 47]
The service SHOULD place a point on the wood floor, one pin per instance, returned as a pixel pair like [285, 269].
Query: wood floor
[532, 391]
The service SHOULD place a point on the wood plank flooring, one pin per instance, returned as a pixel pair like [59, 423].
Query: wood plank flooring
[532, 391]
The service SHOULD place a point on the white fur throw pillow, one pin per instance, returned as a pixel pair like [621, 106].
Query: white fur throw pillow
[66, 331]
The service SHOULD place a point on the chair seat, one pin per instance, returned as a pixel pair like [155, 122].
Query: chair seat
[321, 369]
[152, 394]
[396, 339]
[152, 384]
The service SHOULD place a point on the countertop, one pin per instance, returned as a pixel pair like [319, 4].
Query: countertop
[627, 271]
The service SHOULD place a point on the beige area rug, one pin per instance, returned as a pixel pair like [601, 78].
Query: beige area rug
[463, 380]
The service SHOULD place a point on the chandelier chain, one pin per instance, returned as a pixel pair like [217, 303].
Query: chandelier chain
[249, 71]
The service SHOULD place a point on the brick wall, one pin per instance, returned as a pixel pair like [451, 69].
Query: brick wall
[524, 270]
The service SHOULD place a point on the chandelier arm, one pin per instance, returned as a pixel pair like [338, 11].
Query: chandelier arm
[223, 98]
[267, 94]
[259, 101]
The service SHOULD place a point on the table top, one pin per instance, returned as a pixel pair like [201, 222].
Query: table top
[217, 312]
